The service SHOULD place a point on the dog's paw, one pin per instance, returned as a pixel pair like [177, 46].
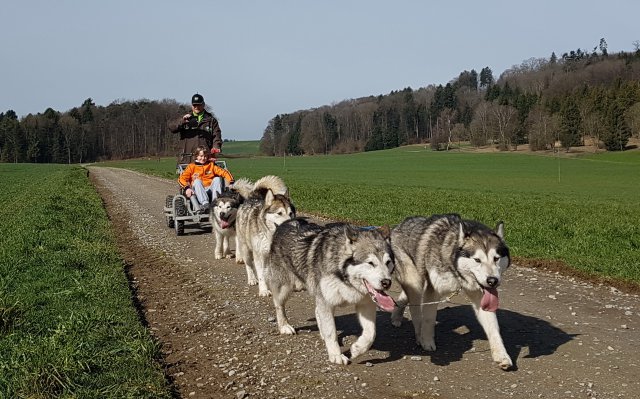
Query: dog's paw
[397, 315]
[428, 344]
[357, 350]
[503, 360]
[287, 329]
[262, 288]
[396, 320]
[240, 261]
[252, 281]
[339, 359]
[217, 255]
[229, 256]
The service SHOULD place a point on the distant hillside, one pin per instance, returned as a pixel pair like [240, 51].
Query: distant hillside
[541, 102]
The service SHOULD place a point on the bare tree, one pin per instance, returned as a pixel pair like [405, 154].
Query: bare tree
[480, 125]
[70, 128]
[543, 129]
[504, 116]
[458, 133]
[311, 141]
[447, 116]
[594, 127]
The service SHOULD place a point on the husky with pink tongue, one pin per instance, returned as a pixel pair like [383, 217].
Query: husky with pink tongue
[339, 265]
[225, 209]
[439, 256]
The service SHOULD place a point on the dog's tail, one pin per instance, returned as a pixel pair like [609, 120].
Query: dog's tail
[243, 186]
[270, 182]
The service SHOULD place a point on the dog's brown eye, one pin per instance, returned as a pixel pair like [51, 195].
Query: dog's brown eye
[477, 260]
[496, 258]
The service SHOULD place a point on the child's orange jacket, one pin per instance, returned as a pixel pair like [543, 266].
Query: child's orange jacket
[205, 172]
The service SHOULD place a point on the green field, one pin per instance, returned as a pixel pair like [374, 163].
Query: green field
[582, 211]
[68, 327]
[241, 147]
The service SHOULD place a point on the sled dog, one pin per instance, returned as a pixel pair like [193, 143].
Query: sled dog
[224, 212]
[267, 206]
[438, 256]
[339, 265]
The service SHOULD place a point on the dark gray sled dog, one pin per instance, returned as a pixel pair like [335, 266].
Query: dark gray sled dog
[339, 265]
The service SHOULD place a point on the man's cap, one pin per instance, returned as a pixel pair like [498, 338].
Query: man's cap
[197, 99]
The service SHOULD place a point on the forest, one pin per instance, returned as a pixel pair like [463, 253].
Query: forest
[542, 102]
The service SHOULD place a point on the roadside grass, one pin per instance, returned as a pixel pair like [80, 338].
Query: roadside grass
[68, 327]
[582, 211]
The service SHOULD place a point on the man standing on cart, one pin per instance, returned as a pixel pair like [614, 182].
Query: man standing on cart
[199, 127]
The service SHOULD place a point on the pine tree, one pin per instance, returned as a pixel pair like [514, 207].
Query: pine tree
[570, 125]
[618, 133]
[603, 47]
[486, 77]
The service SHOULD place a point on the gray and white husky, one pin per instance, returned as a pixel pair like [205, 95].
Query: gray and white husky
[339, 265]
[224, 212]
[267, 205]
[438, 256]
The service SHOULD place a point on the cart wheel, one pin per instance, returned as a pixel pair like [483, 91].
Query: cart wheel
[179, 226]
[169, 204]
[180, 210]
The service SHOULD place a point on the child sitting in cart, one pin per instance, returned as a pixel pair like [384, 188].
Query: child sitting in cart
[203, 178]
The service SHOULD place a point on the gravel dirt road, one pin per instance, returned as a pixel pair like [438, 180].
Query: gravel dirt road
[569, 338]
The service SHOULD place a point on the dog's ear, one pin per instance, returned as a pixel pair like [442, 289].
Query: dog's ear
[500, 229]
[293, 208]
[350, 233]
[268, 198]
[461, 233]
[386, 231]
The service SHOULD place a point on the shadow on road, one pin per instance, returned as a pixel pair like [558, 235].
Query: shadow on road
[456, 330]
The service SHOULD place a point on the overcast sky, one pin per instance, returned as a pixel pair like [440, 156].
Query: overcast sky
[252, 60]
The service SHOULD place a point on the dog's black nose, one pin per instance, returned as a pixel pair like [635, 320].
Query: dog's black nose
[386, 283]
[492, 281]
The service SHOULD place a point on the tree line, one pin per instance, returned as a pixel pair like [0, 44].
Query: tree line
[540, 102]
[123, 129]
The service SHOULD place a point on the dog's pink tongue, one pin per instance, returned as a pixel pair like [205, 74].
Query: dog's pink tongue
[224, 224]
[490, 301]
[384, 301]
